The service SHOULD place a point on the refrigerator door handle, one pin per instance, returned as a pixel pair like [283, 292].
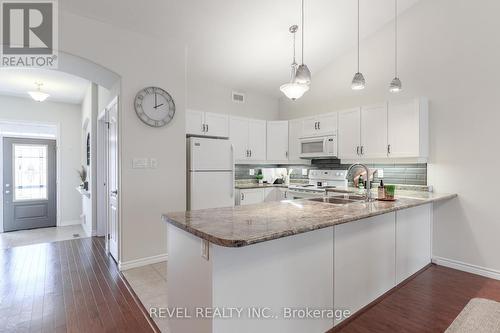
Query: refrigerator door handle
[232, 173]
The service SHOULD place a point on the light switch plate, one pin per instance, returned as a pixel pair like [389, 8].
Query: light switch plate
[251, 172]
[140, 163]
[304, 172]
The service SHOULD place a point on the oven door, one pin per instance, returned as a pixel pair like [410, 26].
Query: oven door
[325, 146]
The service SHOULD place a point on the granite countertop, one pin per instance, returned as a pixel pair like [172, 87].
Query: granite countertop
[246, 225]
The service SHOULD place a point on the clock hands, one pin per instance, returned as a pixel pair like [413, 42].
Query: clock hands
[156, 102]
[157, 106]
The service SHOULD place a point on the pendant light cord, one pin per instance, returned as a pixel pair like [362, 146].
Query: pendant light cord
[294, 62]
[358, 36]
[396, 37]
[302, 32]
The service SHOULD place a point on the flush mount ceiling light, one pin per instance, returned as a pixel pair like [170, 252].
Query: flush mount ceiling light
[303, 74]
[38, 95]
[294, 90]
[395, 86]
[358, 82]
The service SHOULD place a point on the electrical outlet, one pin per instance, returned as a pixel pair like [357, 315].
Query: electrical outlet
[304, 172]
[380, 173]
[140, 163]
[153, 163]
[251, 172]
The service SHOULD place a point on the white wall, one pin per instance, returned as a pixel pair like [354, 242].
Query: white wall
[449, 52]
[140, 61]
[89, 126]
[206, 95]
[68, 116]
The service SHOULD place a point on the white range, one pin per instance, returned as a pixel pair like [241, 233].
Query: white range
[319, 180]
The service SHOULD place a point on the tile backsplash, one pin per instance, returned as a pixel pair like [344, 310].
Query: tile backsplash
[394, 173]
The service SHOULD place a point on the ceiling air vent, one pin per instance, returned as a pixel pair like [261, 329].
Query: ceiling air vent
[238, 97]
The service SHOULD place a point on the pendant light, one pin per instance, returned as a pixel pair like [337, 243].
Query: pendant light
[294, 90]
[38, 95]
[395, 86]
[303, 74]
[358, 82]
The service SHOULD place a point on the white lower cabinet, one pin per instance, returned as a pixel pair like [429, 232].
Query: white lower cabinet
[251, 196]
[282, 194]
[364, 254]
[270, 194]
[413, 241]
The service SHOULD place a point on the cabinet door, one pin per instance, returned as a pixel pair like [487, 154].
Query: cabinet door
[349, 133]
[327, 124]
[403, 129]
[294, 134]
[374, 131]
[282, 194]
[238, 134]
[270, 194]
[251, 196]
[413, 241]
[257, 139]
[310, 127]
[364, 267]
[277, 141]
[194, 122]
[217, 124]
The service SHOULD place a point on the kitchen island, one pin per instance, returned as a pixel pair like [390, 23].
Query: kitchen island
[292, 266]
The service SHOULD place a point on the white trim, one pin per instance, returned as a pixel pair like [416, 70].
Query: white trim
[123, 266]
[69, 222]
[469, 268]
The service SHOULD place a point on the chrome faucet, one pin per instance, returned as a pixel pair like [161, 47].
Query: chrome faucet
[368, 184]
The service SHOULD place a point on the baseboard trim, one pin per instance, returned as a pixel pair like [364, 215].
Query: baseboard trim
[465, 267]
[69, 222]
[124, 265]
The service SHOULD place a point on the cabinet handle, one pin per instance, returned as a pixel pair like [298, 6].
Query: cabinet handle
[316, 125]
[389, 149]
[362, 150]
[242, 196]
[203, 127]
[357, 150]
[286, 195]
[286, 154]
[248, 155]
[319, 124]
[250, 152]
[207, 127]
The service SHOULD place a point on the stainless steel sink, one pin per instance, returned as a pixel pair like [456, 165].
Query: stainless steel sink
[334, 200]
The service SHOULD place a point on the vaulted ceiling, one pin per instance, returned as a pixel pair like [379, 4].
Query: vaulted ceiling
[246, 45]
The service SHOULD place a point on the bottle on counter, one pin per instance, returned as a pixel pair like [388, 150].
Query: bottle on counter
[381, 190]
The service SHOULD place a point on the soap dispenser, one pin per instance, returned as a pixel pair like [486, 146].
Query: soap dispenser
[381, 190]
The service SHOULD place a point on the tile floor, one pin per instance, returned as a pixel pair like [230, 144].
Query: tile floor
[150, 284]
[42, 235]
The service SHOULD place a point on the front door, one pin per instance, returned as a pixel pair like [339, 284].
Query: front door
[29, 183]
[113, 179]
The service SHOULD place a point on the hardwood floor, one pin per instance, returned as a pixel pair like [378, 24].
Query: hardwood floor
[428, 303]
[68, 286]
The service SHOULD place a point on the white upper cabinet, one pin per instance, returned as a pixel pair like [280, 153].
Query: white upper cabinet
[257, 139]
[349, 134]
[277, 141]
[294, 134]
[195, 122]
[217, 124]
[408, 129]
[207, 124]
[239, 137]
[374, 131]
[319, 125]
[248, 137]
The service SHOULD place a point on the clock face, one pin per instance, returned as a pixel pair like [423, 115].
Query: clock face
[154, 106]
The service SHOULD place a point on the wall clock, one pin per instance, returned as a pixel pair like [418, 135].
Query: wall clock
[154, 106]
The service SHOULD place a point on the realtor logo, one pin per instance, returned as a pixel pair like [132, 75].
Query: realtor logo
[29, 33]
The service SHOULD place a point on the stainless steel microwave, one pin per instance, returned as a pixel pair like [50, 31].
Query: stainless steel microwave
[318, 147]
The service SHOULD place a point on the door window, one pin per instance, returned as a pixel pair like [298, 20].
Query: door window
[30, 172]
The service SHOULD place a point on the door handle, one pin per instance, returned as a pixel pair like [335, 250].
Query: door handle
[115, 192]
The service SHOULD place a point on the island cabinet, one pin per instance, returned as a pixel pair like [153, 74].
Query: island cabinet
[364, 267]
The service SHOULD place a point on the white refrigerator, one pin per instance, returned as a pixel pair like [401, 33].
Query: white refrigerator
[210, 174]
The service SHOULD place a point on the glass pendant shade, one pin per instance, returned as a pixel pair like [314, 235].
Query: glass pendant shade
[38, 95]
[358, 82]
[303, 75]
[395, 85]
[294, 90]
